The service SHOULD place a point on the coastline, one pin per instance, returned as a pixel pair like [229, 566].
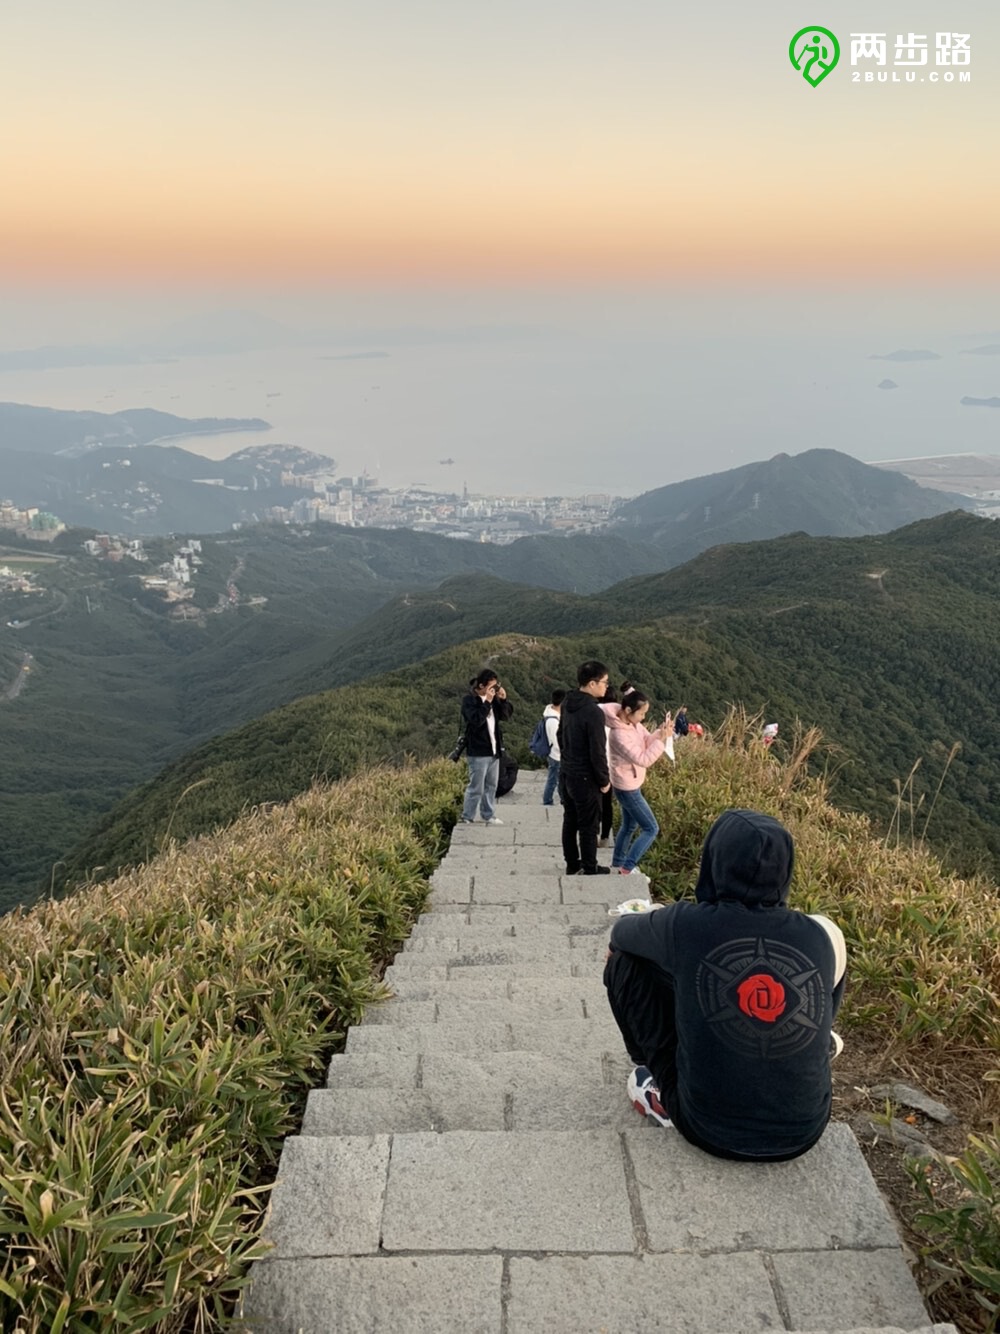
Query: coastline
[208, 435]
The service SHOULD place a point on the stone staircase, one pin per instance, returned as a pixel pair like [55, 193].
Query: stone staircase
[474, 1164]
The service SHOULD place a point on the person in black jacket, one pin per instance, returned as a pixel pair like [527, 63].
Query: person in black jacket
[726, 1004]
[583, 769]
[483, 709]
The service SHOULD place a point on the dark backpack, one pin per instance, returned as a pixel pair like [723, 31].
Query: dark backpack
[507, 774]
[539, 743]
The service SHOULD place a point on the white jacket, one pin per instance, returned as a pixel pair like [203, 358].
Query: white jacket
[551, 716]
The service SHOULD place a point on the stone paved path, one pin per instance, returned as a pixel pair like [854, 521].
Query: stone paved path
[474, 1165]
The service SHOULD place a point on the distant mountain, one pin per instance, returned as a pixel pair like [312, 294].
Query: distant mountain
[820, 492]
[887, 643]
[29, 429]
[968, 402]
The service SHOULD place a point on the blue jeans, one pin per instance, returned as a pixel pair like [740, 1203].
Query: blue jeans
[637, 831]
[481, 794]
[551, 783]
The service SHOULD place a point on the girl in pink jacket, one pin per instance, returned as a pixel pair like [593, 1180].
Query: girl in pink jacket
[632, 749]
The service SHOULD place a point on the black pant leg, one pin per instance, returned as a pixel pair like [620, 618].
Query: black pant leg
[588, 805]
[607, 813]
[642, 1001]
[570, 842]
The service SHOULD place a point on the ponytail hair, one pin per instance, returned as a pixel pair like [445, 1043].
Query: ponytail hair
[632, 699]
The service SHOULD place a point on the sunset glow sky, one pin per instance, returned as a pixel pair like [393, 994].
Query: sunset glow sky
[315, 141]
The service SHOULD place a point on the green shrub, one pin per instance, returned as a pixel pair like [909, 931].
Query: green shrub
[965, 1236]
[158, 1035]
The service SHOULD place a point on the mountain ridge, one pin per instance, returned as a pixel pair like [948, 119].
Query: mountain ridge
[829, 493]
[889, 678]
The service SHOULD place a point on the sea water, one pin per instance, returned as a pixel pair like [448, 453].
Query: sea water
[556, 411]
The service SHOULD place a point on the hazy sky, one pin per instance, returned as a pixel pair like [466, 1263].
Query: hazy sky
[685, 251]
[307, 142]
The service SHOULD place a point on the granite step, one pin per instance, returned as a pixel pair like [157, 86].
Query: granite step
[561, 1038]
[416, 966]
[499, 1091]
[461, 1174]
[528, 945]
[517, 916]
[585, 955]
[512, 1071]
[539, 991]
[465, 1008]
[621, 1229]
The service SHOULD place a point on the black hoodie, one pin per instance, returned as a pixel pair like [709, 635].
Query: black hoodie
[753, 995]
[583, 741]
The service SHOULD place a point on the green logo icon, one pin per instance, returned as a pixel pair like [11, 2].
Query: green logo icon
[814, 52]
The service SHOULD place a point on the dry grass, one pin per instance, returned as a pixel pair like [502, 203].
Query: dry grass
[923, 989]
[924, 945]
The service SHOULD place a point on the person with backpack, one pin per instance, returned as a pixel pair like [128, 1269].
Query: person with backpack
[544, 744]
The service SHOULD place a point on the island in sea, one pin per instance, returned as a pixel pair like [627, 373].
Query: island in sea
[906, 354]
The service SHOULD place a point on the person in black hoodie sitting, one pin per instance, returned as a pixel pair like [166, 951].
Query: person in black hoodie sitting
[583, 769]
[726, 1004]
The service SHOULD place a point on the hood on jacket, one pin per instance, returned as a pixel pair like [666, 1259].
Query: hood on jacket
[746, 858]
[615, 720]
[550, 711]
[576, 700]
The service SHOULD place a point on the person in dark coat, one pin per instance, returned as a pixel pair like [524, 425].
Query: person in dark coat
[583, 769]
[726, 1004]
[483, 709]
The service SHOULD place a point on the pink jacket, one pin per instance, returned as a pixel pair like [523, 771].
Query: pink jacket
[631, 748]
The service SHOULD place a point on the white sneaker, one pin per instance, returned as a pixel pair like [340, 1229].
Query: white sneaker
[496, 820]
[645, 1096]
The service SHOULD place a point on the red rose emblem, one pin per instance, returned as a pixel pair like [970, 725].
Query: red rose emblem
[762, 997]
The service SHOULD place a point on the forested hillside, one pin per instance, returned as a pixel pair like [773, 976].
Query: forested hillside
[118, 687]
[887, 644]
